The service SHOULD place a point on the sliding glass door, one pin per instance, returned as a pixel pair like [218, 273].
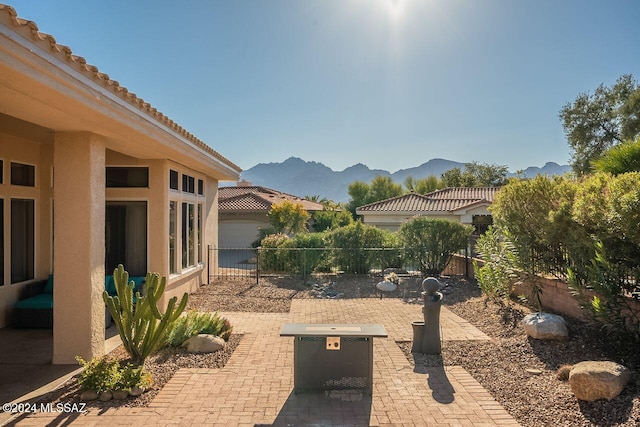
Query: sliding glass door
[126, 237]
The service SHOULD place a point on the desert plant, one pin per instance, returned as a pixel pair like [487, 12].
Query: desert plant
[194, 323]
[132, 376]
[351, 246]
[99, 374]
[498, 272]
[603, 294]
[138, 319]
[430, 243]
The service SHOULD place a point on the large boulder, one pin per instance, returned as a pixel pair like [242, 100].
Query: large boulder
[545, 326]
[598, 380]
[203, 343]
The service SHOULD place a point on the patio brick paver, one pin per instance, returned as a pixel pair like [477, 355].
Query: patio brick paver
[255, 387]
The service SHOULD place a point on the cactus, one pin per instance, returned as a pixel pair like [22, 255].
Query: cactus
[140, 323]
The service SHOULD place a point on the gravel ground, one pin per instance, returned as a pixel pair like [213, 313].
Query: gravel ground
[499, 365]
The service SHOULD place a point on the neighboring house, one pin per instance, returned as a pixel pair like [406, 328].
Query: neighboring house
[242, 211]
[464, 204]
[91, 176]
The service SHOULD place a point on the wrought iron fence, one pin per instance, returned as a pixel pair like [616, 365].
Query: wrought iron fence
[253, 263]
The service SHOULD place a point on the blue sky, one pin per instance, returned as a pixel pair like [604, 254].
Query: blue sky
[387, 83]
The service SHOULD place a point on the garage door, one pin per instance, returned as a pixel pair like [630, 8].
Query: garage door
[238, 234]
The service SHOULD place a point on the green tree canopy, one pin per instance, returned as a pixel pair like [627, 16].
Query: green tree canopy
[424, 185]
[361, 193]
[596, 122]
[475, 175]
[288, 217]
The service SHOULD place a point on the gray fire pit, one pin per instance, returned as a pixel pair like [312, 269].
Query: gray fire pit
[333, 356]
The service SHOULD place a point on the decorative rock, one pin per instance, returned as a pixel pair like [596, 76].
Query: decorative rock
[203, 343]
[120, 394]
[533, 371]
[394, 270]
[135, 391]
[88, 395]
[386, 286]
[105, 396]
[430, 285]
[545, 326]
[593, 380]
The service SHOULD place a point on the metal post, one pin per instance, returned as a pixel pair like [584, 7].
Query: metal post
[257, 266]
[208, 264]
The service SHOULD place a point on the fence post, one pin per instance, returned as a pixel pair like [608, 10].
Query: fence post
[466, 262]
[304, 265]
[208, 264]
[257, 265]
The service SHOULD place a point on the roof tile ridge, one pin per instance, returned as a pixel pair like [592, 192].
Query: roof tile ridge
[65, 53]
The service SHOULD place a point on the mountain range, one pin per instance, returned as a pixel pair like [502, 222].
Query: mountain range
[307, 178]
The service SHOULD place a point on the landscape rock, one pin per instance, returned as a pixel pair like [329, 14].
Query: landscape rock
[545, 326]
[203, 343]
[120, 394]
[594, 380]
[88, 395]
[136, 391]
[386, 286]
[105, 396]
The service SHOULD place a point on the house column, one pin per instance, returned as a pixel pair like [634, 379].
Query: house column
[79, 248]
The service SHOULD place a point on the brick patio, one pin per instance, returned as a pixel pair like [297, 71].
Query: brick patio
[255, 387]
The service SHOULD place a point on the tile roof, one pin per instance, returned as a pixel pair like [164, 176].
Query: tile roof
[446, 200]
[257, 199]
[48, 43]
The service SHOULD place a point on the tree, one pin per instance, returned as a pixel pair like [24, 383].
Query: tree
[596, 122]
[620, 159]
[329, 219]
[288, 217]
[475, 175]
[430, 243]
[424, 185]
[381, 187]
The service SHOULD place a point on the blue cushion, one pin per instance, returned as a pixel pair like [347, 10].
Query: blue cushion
[41, 301]
[48, 288]
[110, 285]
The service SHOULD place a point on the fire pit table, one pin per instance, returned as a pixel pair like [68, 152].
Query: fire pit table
[333, 356]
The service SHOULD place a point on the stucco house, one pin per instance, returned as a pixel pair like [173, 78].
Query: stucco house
[92, 175]
[243, 211]
[463, 204]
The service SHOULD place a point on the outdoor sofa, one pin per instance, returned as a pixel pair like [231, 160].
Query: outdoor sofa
[35, 311]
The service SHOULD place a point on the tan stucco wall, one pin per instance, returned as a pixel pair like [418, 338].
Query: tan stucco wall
[78, 308]
[23, 149]
[393, 222]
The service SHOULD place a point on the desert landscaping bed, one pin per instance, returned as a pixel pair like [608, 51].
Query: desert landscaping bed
[500, 365]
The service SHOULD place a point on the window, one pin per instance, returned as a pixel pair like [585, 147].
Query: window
[173, 237]
[173, 179]
[188, 248]
[1, 242]
[199, 230]
[22, 239]
[127, 177]
[22, 174]
[126, 237]
[200, 187]
[188, 183]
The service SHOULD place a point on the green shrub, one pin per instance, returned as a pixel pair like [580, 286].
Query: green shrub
[349, 247]
[620, 159]
[99, 374]
[604, 294]
[430, 243]
[497, 275]
[133, 376]
[194, 323]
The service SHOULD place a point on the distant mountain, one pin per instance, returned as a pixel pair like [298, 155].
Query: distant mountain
[302, 178]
